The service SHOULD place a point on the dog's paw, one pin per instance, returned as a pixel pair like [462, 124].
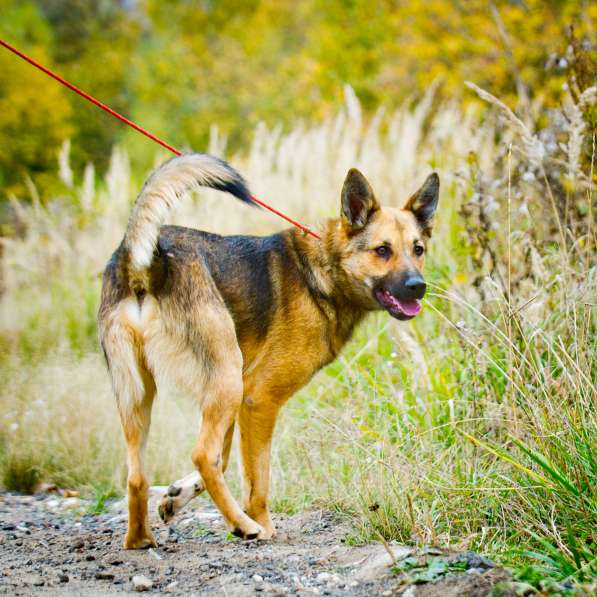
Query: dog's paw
[178, 495]
[263, 519]
[255, 531]
[251, 531]
[267, 533]
[139, 541]
[167, 505]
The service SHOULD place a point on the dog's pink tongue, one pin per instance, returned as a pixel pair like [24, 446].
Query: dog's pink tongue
[410, 308]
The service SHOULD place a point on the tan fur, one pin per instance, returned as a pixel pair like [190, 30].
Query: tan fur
[160, 193]
[241, 324]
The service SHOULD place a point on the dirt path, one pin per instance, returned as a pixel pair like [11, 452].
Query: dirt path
[49, 547]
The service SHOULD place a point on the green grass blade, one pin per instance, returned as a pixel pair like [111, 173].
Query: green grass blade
[547, 466]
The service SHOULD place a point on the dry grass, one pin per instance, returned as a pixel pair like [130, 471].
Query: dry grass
[475, 425]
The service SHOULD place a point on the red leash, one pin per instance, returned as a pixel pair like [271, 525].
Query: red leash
[138, 128]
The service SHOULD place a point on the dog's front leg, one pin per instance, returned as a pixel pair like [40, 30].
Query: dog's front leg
[257, 420]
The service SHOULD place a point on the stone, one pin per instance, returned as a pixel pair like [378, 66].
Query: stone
[33, 580]
[77, 543]
[141, 583]
[472, 560]
[71, 503]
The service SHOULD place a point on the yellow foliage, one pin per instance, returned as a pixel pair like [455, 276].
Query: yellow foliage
[34, 121]
[181, 67]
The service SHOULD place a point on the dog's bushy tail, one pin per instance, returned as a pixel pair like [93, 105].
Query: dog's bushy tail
[163, 189]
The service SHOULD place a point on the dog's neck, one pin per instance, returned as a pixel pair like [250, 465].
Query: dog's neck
[317, 264]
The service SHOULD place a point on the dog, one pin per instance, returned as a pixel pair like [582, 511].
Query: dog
[243, 322]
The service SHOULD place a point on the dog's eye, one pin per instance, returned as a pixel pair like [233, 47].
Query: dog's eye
[419, 250]
[383, 251]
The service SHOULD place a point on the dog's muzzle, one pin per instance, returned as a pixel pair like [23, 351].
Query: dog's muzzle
[402, 299]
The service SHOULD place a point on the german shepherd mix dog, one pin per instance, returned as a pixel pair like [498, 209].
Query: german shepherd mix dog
[243, 322]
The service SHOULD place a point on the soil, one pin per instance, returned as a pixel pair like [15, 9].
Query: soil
[49, 545]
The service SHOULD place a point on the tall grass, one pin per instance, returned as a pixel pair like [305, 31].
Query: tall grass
[473, 426]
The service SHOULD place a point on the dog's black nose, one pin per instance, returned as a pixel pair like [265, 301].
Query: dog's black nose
[415, 287]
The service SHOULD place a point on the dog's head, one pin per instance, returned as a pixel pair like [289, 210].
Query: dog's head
[382, 251]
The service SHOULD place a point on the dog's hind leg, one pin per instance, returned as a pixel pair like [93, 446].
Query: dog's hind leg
[135, 390]
[181, 492]
[135, 424]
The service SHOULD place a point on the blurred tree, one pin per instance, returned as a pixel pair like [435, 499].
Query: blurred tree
[34, 111]
[93, 44]
[179, 67]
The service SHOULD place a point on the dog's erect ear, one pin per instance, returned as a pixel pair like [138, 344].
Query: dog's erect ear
[424, 203]
[358, 201]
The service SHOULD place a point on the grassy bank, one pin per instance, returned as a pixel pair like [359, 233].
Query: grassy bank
[474, 425]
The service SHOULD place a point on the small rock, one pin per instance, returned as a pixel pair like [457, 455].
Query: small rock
[77, 543]
[8, 527]
[386, 594]
[63, 577]
[185, 522]
[172, 586]
[472, 560]
[33, 581]
[257, 578]
[71, 503]
[46, 488]
[476, 571]
[141, 583]
[103, 575]
[324, 577]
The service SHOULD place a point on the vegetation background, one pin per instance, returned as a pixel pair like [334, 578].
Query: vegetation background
[473, 426]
